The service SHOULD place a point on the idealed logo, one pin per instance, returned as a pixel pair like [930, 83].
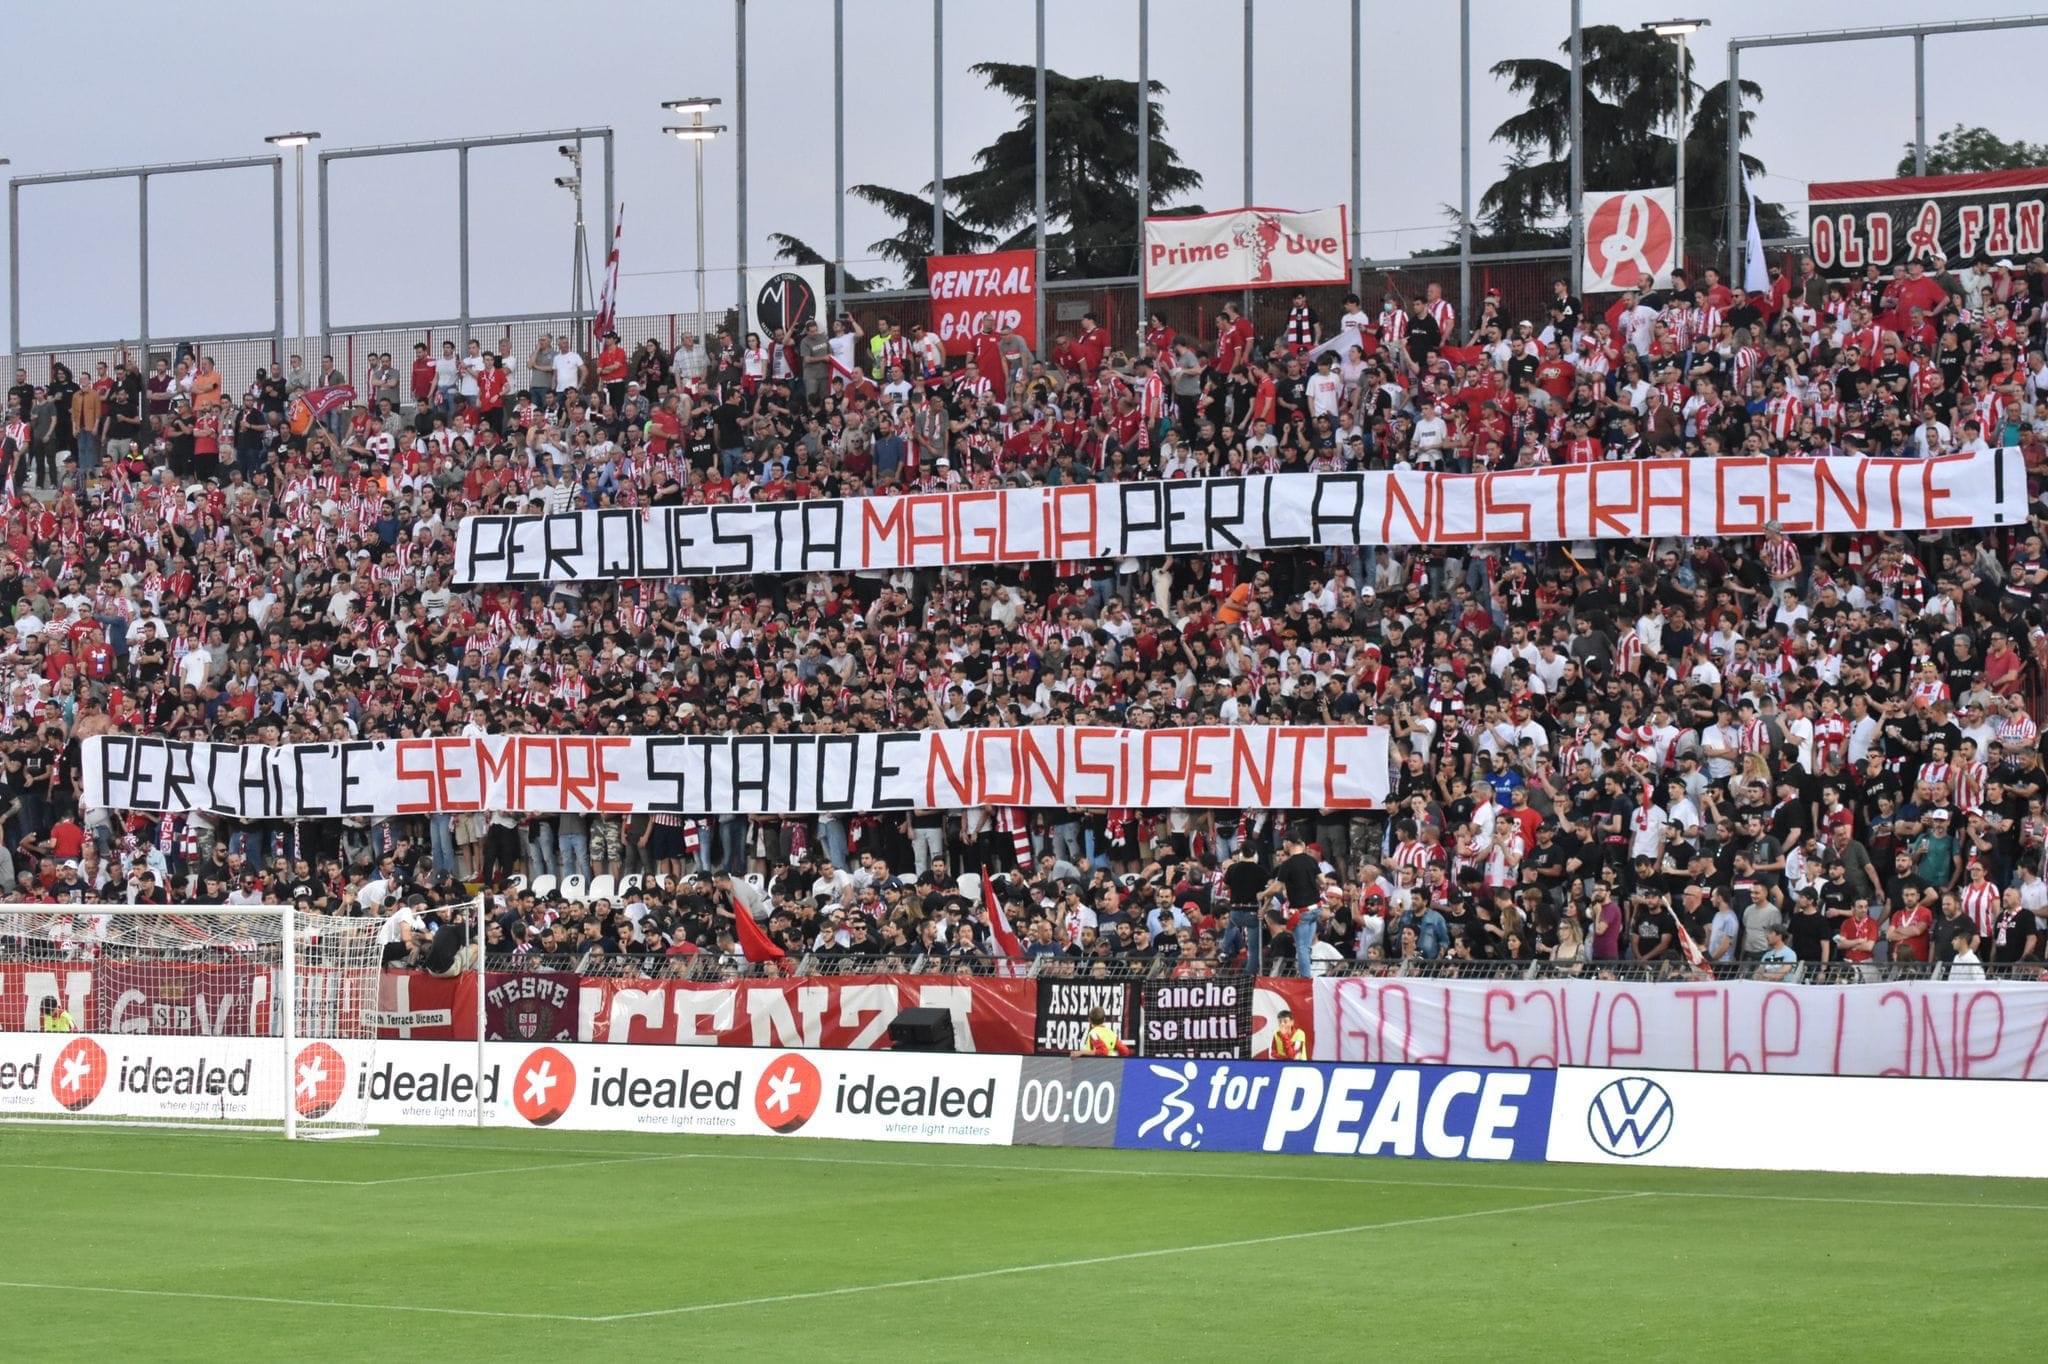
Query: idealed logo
[543, 1086]
[787, 1093]
[319, 1076]
[80, 1073]
[1630, 1117]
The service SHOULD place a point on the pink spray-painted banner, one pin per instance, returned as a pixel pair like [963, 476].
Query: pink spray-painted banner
[1921, 1028]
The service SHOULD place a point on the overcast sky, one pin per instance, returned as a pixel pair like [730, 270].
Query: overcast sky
[158, 91]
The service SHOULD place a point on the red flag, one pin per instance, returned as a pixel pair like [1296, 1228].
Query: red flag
[314, 404]
[1463, 355]
[608, 297]
[754, 943]
[1694, 958]
[999, 922]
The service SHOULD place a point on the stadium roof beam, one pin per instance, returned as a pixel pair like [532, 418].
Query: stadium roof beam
[141, 175]
[1919, 33]
[462, 147]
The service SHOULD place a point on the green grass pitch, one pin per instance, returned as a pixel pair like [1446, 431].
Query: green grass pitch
[426, 1244]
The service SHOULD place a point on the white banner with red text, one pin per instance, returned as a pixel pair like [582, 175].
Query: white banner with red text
[1036, 766]
[1247, 248]
[1991, 1031]
[1619, 500]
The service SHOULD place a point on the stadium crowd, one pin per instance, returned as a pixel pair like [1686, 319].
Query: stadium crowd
[1786, 749]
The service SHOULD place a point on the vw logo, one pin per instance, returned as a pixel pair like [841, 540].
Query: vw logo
[1630, 1117]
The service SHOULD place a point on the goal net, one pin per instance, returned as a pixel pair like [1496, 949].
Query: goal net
[243, 1018]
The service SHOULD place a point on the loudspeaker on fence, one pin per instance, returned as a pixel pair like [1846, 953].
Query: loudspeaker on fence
[922, 1030]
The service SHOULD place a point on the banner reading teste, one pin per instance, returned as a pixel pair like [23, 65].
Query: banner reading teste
[1626, 499]
[1216, 767]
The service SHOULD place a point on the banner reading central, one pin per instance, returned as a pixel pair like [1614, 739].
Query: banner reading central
[1215, 767]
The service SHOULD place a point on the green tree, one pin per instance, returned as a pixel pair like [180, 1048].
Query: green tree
[1629, 96]
[797, 251]
[1091, 171]
[1963, 149]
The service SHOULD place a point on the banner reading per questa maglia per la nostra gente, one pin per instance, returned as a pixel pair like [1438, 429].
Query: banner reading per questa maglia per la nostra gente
[1626, 499]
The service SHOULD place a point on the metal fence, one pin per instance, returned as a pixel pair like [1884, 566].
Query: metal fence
[239, 355]
[708, 966]
[1523, 280]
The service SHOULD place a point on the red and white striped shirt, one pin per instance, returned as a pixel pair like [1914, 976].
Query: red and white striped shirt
[1980, 900]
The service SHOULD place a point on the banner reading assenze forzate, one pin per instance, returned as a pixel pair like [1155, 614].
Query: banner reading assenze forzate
[1221, 767]
[1625, 499]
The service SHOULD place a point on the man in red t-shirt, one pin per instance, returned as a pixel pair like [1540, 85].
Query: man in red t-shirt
[1858, 936]
[988, 360]
[422, 374]
[1090, 346]
[1908, 928]
[612, 369]
[1233, 338]
[491, 382]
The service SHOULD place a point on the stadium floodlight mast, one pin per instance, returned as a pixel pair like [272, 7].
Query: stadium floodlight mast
[297, 142]
[579, 260]
[1677, 30]
[697, 132]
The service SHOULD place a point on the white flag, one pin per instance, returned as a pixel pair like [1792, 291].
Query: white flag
[1756, 275]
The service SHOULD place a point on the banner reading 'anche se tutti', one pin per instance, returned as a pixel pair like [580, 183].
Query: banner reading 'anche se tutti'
[1625, 499]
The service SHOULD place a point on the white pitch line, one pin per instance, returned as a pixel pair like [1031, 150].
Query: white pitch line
[692, 1308]
[517, 1170]
[933, 1166]
[1370, 1181]
[1110, 1259]
[181, 1174]
[291, 1302]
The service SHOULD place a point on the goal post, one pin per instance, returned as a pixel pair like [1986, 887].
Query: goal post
[222, 1017]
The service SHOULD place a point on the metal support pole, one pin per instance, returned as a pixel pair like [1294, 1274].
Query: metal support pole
[1734, 160]
[277, 258]
[1357, 242]
[1678, 158]
[142, 236]
[14, 271]
[702, 323]
[1038, 195]
[838, 155]
[1144, 156]
[1248, 83]
[740, 147]
[1464, 165]
[1578, 135]
[1919, 104]
[611, 196]
[938, 127]
[326, 279]
[462, 243]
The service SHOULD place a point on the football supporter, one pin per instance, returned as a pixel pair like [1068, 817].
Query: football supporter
[1594, 744]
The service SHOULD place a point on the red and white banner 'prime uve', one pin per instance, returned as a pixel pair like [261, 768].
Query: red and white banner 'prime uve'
[1035, 766]
[1622, 499]
[1989, 1031]
[1247, 248]
[998, 286]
